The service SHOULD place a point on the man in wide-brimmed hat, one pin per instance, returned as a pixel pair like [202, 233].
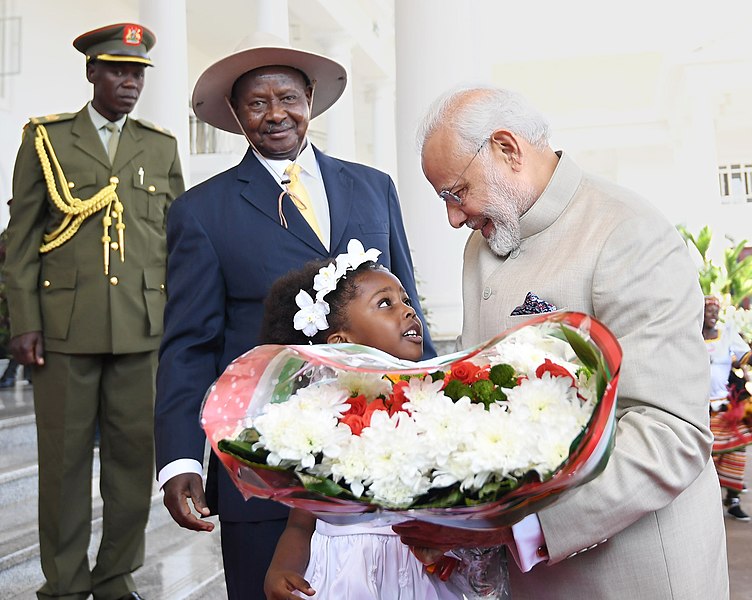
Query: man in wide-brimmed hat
[229, 239]
[85, 273]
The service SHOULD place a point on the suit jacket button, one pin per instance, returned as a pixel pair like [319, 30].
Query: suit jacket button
[113, 280]
[487, 293]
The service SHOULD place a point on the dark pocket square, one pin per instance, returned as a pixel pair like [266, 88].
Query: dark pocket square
[533, 306]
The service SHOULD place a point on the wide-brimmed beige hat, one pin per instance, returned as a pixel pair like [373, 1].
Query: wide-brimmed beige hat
[263, 50]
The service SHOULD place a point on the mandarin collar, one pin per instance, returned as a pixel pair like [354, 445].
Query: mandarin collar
[554, 199]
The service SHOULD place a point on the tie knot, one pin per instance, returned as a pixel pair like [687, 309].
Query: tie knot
[293, 170]
[111, 127]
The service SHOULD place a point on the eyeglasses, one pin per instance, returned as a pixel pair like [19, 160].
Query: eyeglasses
[449, 196]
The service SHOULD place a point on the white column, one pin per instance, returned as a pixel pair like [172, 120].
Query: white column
[166, 96]
[340, 118]
[384, 128]
[272, 17]
[436, 48]
[697, 194]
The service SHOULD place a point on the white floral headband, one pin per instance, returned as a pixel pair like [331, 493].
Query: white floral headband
[311, 318]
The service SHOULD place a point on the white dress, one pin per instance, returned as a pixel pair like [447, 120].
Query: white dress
[363, 562]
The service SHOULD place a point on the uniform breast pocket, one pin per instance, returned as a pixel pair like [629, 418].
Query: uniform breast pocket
[150, 196]
[58, 295]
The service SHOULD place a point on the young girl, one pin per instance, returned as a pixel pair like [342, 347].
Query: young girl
[366, 305]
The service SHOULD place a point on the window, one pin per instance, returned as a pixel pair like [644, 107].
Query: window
[736, 182]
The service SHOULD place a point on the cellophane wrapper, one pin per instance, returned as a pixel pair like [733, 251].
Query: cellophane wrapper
[273, 374]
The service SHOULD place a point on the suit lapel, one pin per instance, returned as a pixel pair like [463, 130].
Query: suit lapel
[87, 138]
[262, 191]
[339, 193]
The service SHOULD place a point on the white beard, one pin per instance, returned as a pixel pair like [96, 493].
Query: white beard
[506, 203]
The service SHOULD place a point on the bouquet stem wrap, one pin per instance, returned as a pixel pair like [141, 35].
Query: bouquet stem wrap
[269, 375]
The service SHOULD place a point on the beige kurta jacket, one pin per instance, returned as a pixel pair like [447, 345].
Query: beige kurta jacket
[591, 246]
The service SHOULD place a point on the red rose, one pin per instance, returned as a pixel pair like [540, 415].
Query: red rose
[357, 405]
[554, 370]
[465, 371]
[397, 398]
[356, 423]
[372, 407]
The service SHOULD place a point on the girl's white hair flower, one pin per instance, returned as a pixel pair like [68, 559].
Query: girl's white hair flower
[356, 255]
[312, 315]
[311, 318]
[325, 281]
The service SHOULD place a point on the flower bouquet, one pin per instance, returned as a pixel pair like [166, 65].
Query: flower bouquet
[475, 439]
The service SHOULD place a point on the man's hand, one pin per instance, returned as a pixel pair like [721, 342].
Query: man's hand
[422, 536]
[28, 348]
[280, 585]
[177, 490]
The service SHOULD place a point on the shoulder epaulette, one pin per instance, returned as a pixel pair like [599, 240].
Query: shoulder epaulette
[52, 118]
[154, 127]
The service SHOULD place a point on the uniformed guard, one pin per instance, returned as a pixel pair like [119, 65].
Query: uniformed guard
[85, 273]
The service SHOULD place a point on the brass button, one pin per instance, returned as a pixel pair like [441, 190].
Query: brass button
[114, 245]
[46, 283]
[114, 180]
[113, 280]
[161, 286]
[114, 213]
[71, 184]
[151, 188]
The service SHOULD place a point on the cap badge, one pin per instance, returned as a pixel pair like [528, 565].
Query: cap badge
[132, 35]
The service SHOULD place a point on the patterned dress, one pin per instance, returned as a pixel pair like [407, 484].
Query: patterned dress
[732, 435]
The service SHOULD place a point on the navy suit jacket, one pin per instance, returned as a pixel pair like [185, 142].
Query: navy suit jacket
[225, 249]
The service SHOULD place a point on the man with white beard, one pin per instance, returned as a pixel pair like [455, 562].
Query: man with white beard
[548, 236]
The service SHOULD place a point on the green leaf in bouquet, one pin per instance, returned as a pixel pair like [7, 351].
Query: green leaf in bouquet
[440, 498]
[248, 435]
[243, 450]
[324, 486]
[289, 380]
[584, 351]
[492, 490]
[503, 375]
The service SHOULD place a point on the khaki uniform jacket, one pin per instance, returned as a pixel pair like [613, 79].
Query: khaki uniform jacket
[65, 293]
[591, 246]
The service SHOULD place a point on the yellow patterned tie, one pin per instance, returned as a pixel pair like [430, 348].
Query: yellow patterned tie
[299, 195]
[113, 143]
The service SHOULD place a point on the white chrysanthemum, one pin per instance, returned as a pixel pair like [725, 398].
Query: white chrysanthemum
[368, 384]
[528, 348]
[299, 429]
[445, 426]
[398, 458]
[422, 391]
[328, 397]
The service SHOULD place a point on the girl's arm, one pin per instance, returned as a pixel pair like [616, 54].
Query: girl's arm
[290, 560]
